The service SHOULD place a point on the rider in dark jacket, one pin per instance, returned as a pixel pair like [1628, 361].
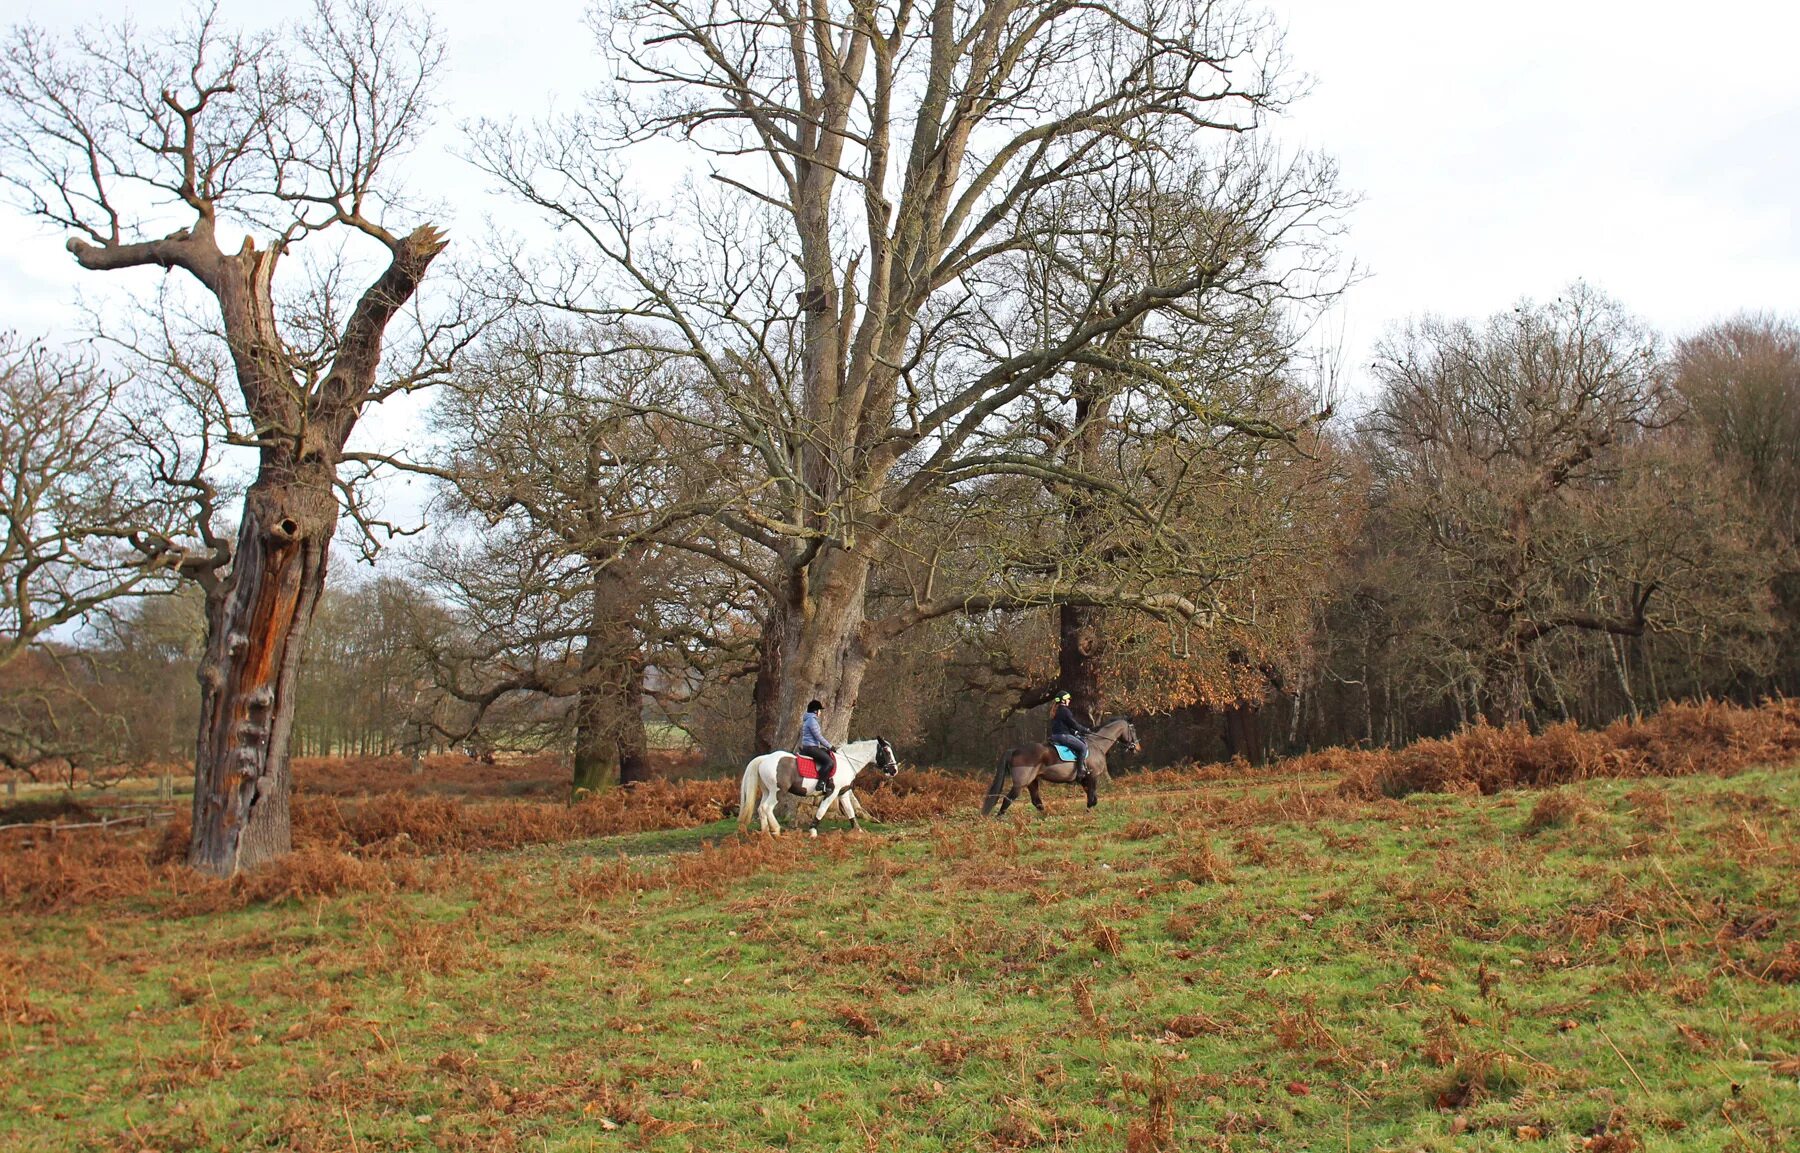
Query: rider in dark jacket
[813, 744]
[1066, 729]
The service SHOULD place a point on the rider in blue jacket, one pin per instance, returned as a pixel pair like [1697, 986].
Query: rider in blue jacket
[1065, 729]
[813, 744]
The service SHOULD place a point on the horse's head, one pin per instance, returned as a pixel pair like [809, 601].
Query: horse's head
[1127, 736]
[885, 759]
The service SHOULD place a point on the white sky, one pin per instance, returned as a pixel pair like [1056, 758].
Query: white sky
[1501, 151]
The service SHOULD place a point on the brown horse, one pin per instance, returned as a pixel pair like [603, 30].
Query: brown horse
[1035, 762]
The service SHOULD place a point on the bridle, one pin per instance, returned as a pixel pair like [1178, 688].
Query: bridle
[885, 760]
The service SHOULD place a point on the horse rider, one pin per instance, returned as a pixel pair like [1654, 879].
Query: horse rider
[813, 744]
[1065, 729]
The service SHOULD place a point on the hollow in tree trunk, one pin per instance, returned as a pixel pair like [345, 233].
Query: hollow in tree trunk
[256, 631]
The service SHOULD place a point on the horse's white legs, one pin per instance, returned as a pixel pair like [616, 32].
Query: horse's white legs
[852, 809]
[824, 807]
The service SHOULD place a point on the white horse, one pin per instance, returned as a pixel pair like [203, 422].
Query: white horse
[772, 774]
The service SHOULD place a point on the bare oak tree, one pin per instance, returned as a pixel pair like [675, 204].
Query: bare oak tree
[1527, 475]
[178, 152]
[576, 553]
[69, 500]
[1741, 377]
[848, 284]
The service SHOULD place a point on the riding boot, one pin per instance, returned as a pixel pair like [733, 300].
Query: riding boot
[1082, 772]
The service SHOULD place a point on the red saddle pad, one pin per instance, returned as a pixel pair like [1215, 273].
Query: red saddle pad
[808, 769]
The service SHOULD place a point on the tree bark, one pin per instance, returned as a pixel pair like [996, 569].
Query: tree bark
[1244, 733]
[634, 738]
[610, 739]
[825, 645]
[1078, 663]
[596, 756]
[256, 632]
[1082, 646]
[1503, 685]
[765, 695]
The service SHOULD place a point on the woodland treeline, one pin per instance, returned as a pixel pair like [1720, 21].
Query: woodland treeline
[970, 355]
[1454, 575]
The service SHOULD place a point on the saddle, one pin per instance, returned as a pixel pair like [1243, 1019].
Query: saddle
[810, 779]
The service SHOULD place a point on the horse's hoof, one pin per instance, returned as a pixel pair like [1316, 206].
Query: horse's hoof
[813, 832]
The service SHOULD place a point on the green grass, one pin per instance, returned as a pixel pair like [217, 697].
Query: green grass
[1212, 970]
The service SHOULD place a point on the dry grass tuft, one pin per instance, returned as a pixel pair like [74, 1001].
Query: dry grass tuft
[1104, 937]
[1154, 1131]
[1189, 1025]
[1784, 965]
[948, 1053]
[1651, 806]
[1194, 859]
[1182, 926]
[858, 1021]
[1559, 809]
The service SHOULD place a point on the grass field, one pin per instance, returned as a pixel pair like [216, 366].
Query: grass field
[1248, 964]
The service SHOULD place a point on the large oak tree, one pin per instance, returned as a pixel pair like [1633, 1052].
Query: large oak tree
[850, 279]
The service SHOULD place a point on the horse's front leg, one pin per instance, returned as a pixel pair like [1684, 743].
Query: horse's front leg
[852, 810]
[1093, 791]
[819, 813]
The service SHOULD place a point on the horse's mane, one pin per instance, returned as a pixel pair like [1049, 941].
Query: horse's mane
[1113, 721]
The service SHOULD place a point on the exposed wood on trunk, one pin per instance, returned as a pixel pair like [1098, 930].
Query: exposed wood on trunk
[256, 634]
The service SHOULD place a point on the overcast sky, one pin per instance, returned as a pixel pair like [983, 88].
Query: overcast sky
[1500, 150]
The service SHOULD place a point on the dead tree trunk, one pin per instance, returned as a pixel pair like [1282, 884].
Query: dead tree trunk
[256, 633]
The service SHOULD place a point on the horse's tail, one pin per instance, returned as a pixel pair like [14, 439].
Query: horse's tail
[747, 793]
[993, 793]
